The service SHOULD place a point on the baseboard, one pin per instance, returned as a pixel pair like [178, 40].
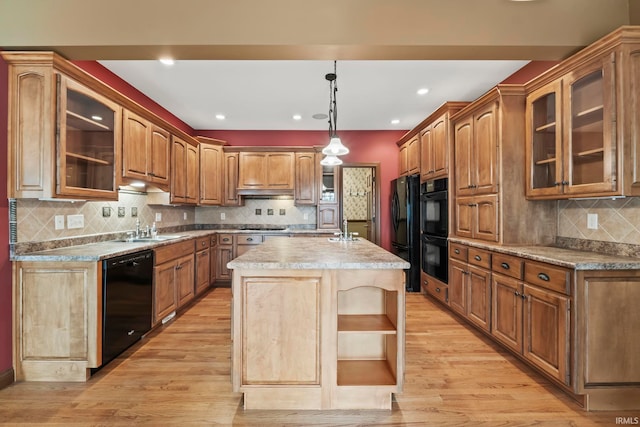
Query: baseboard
[6, 378]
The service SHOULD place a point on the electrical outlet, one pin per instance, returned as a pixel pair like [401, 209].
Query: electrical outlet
[185, 216]
[158, 216]
[592, 221]
[59, 222]
[223, 216]
[75, 221]
[306, 216]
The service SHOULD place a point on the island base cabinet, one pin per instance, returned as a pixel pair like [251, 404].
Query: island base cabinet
[318, 339]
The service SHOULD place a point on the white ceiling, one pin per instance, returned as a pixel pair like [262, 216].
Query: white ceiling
[264, 95]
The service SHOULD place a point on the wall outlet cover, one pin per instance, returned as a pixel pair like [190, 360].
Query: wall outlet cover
[158, 216]
[223, 216]
[592, 221]
[75, 221]
[185, 215]
[59, 222]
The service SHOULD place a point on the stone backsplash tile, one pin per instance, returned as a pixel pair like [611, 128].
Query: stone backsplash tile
[247, 214]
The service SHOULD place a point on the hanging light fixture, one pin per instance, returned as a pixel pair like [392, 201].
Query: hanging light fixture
[335, 147]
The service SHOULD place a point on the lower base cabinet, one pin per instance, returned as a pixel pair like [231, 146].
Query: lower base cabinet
[202, 265]
[173, 278]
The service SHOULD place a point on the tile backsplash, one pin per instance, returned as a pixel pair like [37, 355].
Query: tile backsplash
[618, 220]
[260, 212]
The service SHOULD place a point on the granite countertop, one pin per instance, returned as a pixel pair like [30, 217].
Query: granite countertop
[570, 258]
[317, 253]
[99, 251]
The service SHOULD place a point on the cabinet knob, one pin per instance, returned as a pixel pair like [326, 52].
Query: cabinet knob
[426, 283]
[516, 293]
[204, 243]
[544, 277]
[438, 290]
[477, 258]
[505, 266]
[178, 267]
[565, 182]
[457, 251]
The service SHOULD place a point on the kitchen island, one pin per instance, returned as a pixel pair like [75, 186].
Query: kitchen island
[318, 324]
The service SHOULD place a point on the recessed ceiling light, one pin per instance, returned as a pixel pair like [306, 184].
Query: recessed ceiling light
[320, 116]
[167, 61]
[423, 91]
[297, 117]
[220, 116]
[395, 121]
[96, 118]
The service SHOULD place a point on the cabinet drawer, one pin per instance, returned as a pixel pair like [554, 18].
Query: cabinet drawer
[225, 239]
[249, 239]
[436, 289]
[202, 243]
[480, 257]
[508, 265]
[458, 251]
[169, 252]
[547, 276]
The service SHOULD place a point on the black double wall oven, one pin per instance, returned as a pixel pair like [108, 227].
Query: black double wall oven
[434, 228]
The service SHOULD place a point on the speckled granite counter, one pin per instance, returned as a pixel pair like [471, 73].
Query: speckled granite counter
[318, 253]
[99, 250]
[578, 260]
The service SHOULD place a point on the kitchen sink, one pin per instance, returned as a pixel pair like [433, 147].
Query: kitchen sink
[160, 238]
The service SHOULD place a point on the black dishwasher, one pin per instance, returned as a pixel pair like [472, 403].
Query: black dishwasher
[127, 301]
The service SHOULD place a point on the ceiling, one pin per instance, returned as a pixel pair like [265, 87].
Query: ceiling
[266, 94]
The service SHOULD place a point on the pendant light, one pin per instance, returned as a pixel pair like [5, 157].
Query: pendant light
[335, 147]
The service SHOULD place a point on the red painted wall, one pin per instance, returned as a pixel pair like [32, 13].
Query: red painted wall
[365, 147]
[5, 266]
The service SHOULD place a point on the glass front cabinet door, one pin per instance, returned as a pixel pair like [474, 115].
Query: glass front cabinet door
[88, 137]
[571, 143]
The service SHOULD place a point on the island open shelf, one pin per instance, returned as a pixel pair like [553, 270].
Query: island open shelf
[318, 325]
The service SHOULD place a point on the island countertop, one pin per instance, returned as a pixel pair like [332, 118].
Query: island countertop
[317, 253]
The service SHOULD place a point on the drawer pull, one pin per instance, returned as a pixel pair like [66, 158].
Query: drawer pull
[426, 283]
[249, 239]
[478, 258]
[457, 251]
[505, 265]
[543, 276]
[516, 293]
[204, 243]
[226, 239]
[438, 290]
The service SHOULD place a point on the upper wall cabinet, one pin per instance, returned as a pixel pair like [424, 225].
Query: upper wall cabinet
[185, 170]
[146, 150]
[306, 178]
[64, 137]
[211, 171]
[266, 172]
[409, 160]
[582, 125]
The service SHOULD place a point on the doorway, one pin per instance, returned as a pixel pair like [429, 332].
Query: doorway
[360, 194]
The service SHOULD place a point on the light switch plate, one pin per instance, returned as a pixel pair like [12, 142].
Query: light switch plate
[75, 221]
[59, 222]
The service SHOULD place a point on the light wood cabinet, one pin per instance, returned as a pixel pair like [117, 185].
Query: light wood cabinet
[145, 151]
[410, 156]
[306, 183]
[211, 172]
[213, 259]
[488, 135]
[230, 196]
[173, 278]
[73, 154]
[203, 264]
[245, 242]
[184, 172]
[56, 320]
[328, 212]
[581, 135]
[271, 171]
[436, 141]
[224, 253]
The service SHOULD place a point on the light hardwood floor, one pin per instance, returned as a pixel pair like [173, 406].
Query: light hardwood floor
[180, 376]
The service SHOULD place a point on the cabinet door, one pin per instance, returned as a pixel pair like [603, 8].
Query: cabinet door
[164, 290]
[546, 331]
[185, 279]
[440, 148]
[328, 216]
[178, 171]
[544, 141]
[211, 174]
[213, 259]
[230, 194]
[485, 152]
[280, 171]
[426, 154]
[403, 166]
[160, 148]
[224, 255]
[203, 277]
[135, 146]
[252, 170]
[590, 151]
[506, 311]
[485, 217]
[413, 155]
[465, 213]
[306, 184]
[89, 135]
[457, 286]
[463, 143]
[479, 297]
[192, 166]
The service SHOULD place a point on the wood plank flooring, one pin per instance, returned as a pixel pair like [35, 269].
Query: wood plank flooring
[180, 376]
